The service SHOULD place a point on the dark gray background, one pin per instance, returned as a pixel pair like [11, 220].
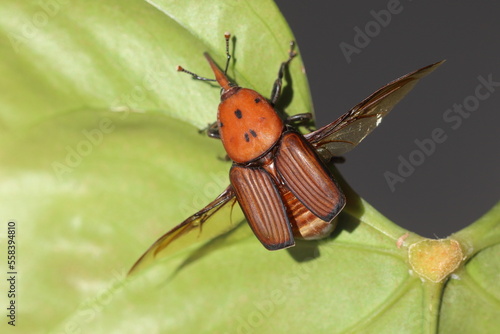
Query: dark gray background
[459, 181]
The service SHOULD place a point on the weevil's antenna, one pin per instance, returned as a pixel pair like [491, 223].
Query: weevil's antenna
[194, 75]
[227, 36]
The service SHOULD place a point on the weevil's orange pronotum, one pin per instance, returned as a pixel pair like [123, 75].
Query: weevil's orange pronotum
[279, 176]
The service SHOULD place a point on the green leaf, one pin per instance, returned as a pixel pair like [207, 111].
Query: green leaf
[63, 55]
[101, 155]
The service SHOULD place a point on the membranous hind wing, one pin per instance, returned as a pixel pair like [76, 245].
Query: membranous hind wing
[208, 223]
[350, 129]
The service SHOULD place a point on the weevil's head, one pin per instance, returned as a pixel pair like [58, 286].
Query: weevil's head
[228, 87]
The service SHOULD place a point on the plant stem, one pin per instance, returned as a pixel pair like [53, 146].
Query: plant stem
[432, 299]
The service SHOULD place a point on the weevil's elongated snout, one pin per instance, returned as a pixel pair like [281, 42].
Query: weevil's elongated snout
[220, 76]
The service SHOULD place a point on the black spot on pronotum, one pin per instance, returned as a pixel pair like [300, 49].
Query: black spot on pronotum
[253, 133]
[247, 137]
[221, 125]
[238, 114]
[257, 100]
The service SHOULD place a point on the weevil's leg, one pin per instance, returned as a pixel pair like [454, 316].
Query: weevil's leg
[328, 158]
[212, 130]
[305, 120]
[226, 158]
[276, 91]
[300, 119]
